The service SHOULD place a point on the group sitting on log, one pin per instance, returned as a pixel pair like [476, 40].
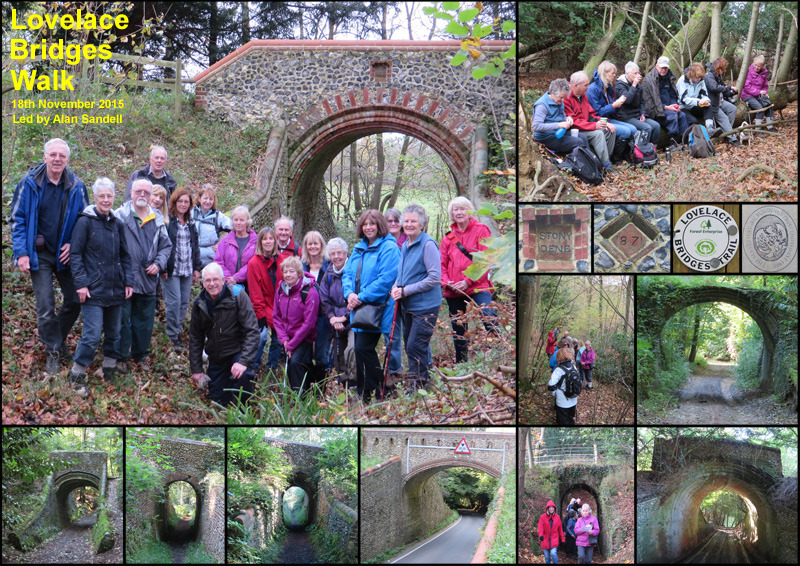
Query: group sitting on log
[604, 114]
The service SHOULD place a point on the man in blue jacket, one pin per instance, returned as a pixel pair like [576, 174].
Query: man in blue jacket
[44, 209]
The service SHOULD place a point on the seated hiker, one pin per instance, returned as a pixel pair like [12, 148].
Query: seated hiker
[693, 98]
[602, 98]
[632, 111]
[661, 101]
[549, 117]
[724, 111]
[600, 134]
[756, 91]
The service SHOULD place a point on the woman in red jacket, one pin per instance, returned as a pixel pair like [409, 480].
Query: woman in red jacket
[456, 250]
[263, 278]
[550, 531]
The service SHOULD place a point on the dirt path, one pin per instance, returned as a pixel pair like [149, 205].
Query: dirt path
[297, 549]
[710, 396]
[70, 546]
[721, 548]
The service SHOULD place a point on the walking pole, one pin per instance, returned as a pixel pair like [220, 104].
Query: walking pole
[389, 350]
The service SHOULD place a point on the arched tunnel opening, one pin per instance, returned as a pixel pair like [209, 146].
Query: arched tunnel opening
[298, 502]
[77, 499]
[588, 496]
[466, 490]
[180, 512]
[723, 519]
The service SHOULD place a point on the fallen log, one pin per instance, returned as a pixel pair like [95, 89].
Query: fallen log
[752, 127]
[758, 167]
[505, 389]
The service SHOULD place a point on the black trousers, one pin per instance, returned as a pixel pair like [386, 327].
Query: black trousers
[565, 417]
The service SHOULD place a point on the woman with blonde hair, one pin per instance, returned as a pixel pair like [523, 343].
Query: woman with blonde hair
[237, 248]
[210, 223]
[315, 262]
[586, 530]
[565, 406]
[158, 200]
[601, 94]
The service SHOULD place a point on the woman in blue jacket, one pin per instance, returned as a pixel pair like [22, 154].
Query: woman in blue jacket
[601, 97]
[377, 255]
[419, 290]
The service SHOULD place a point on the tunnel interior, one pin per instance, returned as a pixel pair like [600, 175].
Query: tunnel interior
[689, 526]
[77, 499]
[587, 495]
[180, 512]
[291, 497]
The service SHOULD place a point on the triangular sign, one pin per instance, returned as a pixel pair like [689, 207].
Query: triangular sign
[462, 447]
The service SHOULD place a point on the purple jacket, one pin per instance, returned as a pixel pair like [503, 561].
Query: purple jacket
[228, 251]
[583, 537]
[755, 82]
[296, 322]
[331, 295]
[587, 358]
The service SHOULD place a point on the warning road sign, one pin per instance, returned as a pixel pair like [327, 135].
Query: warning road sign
[462, 447]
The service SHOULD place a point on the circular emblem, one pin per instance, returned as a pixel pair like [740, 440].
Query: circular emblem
[705, 238]
[770, 238]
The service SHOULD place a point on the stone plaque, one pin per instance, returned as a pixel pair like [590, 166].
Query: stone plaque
[706, 238]
[769, 238]
[554, 242]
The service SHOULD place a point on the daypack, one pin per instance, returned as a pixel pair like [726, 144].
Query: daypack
[584, 165]
[699, 143]
[622, 151]
[642, 151]
[574, 382]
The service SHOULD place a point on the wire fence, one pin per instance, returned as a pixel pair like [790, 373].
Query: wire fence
[562, 455]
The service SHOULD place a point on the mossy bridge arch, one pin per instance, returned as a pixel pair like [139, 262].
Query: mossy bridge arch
[659, 303]
[684, 471]
[318, 96]
[197, 463]
[401, 499]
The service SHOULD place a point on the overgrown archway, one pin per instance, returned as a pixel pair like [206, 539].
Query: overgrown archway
[181, 511]
[77, 498]
[587, 495]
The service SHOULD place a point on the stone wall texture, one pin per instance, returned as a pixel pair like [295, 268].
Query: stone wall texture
[632, 238]
[554, 238]
[380, 494]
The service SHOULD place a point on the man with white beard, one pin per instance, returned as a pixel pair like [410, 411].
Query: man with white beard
[149, 247]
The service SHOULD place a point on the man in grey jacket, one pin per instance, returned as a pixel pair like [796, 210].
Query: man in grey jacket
[149, 247]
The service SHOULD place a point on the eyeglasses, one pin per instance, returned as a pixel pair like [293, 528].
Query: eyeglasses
[393, 221]
[212, 279]
[141, 191]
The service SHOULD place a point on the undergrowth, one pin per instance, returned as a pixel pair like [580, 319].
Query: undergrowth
[504, 548]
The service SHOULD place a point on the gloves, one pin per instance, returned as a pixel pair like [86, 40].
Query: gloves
[262, 322]
[541, 539]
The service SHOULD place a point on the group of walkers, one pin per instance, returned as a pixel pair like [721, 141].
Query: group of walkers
[571, 361]
[604, 112]
[578, 537]
[316, 305]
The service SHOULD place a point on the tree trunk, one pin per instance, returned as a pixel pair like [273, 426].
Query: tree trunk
[642, 32]
[780, 95]
[601, 47]
[525, 310]
[524, 432]
[776, 64]
[213, 33]
[694, 33]
[749, 47]
[600, 303]
[628, 301]
[375, 202]
[354, 177]
[245, 22]
[531, 186]
[715, 50]
[391, 200]
[693, 352]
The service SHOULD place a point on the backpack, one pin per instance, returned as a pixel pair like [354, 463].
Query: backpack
[574, 382]
[584, 165]
[642, 151]
[699, 143]
[622, 151]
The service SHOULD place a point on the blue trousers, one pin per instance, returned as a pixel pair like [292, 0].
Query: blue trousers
[651, 126]
[97, 320]
[550, 556]
[177, 291]
[624, 131]
[54, 328]
[418, 329]
[676, 123]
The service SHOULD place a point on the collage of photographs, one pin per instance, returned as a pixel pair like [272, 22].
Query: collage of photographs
[265, 266]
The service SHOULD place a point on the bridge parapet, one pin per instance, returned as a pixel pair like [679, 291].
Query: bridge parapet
[668, 458]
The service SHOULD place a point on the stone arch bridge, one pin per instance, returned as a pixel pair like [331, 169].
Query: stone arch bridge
[71, 470]
[319, 96]
[657, 306]
[669, 523]
[199, 464]
[400, 498]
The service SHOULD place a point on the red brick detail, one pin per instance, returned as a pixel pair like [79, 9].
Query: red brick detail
[352, 96]
[393, 98]
[433, 107]
[531, 239]
[581, 240]
[444, 115]
[542, 211]
[339, 103]
[582, 214]
[303, 122]
[406, 98]
[556, 266]
[467, 131]
[527, 253]
[456, 123]
[327, 107]
[420, 102]
[366, 96]
[379, 95]
[581, 253]
[528, 213]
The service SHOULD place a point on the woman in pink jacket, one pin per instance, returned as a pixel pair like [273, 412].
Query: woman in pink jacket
[587, 363]
[456, 250]
[236, 249]
[586, 526]
[756, 91]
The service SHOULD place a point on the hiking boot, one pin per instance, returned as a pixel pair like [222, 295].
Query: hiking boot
[179, 346]
[63, 352]
[610, 171]
[714, 132]
[78, 382]
[144, 365]
[110, 374]
[122, 367]
[734, 142]
[53, 363]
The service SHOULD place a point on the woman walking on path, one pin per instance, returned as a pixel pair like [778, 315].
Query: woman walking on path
[550, 531]
[586, 526]
[587, 361]
[565, 406]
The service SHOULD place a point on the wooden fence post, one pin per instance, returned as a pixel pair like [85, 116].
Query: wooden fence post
[178, 88]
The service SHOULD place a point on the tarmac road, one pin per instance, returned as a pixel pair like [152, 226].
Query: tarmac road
[455, 544]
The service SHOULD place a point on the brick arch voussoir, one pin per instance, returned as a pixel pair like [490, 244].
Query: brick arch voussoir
[444, 463]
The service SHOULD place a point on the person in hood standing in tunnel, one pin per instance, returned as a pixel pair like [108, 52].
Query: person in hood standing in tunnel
[550, 531]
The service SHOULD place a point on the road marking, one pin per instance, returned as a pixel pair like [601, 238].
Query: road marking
[426, 542]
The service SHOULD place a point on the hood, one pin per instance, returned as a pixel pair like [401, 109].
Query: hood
[39, 171]
[91, 212]
[550, 504]
[550, 333]
[596, 78]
